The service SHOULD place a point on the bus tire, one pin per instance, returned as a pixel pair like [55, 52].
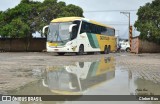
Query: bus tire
[107, 50]
[61, 53]
[81, 50]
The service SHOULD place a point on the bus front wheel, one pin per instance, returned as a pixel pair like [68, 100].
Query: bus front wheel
[61, 53]
[81, 50]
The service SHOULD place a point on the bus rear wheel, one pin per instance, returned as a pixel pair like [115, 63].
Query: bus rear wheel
[81, 50]
[106, 50]
[61, 53]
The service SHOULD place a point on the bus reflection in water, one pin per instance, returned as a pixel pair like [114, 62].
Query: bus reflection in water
[76, 79]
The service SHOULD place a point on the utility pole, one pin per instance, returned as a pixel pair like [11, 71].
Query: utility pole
[128, 15]
[117, 36]
[129, 26]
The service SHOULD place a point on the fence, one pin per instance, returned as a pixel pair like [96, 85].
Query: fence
[22, 44]
[141, 46]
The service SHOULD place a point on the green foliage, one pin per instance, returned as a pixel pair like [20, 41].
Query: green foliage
[16, 28]
[24, 1]
[149, 21]
[30, 16]
[71, 10]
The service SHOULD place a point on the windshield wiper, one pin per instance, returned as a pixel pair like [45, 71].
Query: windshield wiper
[58, 36]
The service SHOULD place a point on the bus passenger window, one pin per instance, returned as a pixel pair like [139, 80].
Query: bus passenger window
[104, 31]
[75, 30]
[86, 27]
[110, 32]
[82, 28]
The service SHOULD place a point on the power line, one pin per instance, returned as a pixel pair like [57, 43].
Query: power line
[134, 10]
[117, 24]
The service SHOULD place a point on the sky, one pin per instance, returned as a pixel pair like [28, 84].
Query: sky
[104, 11]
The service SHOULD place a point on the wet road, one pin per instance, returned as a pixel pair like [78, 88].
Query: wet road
[101, 75]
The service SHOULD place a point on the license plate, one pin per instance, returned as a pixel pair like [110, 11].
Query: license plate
[56, 49]
[52, 44]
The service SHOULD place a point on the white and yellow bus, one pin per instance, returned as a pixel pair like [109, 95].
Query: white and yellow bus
[79, 35]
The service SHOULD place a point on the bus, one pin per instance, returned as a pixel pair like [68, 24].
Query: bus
[79, 35]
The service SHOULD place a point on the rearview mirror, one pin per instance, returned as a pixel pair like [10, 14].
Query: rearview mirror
[44, 28]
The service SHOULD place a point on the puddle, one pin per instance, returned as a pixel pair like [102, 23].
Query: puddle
[72, 79]
[99, 77]
[139, 86]
[78, 78]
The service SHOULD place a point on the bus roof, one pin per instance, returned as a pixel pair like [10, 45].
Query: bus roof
[70, 19]
[66, 19]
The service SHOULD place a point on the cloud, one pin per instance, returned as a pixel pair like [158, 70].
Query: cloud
[5, 4]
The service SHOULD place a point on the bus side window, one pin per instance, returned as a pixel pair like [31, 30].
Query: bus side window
[94, 28]
[75, 30]
[82, 27]
[111, 32]
[86, 27]
[104, 31]
[97, 29]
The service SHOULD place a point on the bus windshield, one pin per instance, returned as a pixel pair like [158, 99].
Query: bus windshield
[59, 32]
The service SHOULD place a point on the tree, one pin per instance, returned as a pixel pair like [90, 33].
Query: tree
[148, 22]
[30, 16]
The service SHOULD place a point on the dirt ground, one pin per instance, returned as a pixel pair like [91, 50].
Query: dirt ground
[19, 69]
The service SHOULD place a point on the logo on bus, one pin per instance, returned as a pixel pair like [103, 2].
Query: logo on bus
[74, 48]
[104, 38]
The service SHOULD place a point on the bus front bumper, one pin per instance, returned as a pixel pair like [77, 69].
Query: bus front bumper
[61, 49]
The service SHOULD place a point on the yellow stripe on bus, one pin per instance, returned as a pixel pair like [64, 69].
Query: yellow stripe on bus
[66, 19]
